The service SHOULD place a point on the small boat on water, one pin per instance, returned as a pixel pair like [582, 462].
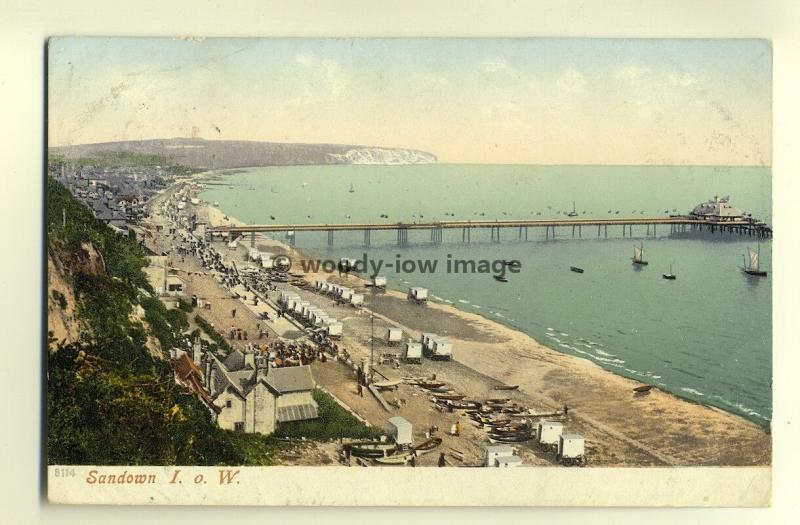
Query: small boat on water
[506, 387]
[669, 276]
[576, 269]
[573, 213]
[753, 268]
[500, 278]
[638, 255]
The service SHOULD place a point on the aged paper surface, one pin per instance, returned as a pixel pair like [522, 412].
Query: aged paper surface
[354, 256]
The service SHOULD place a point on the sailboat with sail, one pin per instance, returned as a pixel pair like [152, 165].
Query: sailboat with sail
[638, 255]
[352, 189]
[573, 213]
[754, 268]
[669, 276]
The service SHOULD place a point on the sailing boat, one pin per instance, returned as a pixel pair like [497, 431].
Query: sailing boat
[352, 189]
[669, 276]
[753, 268]
[638, 255]
[573, 213]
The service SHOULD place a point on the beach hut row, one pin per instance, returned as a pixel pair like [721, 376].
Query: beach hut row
[436, 347]
[341, 294]
[569, 448]
[309, 314]
[265, 259]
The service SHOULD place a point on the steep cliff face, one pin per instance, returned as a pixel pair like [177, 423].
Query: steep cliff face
[62, 323]
[222, 154]
[382, 156]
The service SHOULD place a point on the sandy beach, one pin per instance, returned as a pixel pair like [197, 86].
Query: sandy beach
[621, 428]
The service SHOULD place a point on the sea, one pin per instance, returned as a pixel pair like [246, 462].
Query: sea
[705, 336]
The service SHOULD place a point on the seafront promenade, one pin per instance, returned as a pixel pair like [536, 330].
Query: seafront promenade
[620, 428]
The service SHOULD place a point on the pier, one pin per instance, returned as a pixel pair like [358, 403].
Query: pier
[554, 229]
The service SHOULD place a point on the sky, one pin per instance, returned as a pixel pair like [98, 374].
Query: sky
[520, 101]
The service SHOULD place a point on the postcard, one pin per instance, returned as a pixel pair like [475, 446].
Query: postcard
[412, 271]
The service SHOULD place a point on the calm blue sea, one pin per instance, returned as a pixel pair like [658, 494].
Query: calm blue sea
[705, 336]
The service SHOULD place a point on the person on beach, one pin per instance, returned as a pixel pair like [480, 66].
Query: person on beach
[442, 461]
[233, 312]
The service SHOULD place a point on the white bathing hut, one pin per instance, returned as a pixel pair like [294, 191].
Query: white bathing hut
[492, 452]
[571, 449]
[418, 294]
[412, 353]
[394, 335]
[549, 432]
[400, 431]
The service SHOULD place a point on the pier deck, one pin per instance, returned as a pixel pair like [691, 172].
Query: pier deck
[748, 227]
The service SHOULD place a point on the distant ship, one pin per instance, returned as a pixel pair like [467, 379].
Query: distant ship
[573, 213]
[669, 276]
[753, 268]
[638, 255]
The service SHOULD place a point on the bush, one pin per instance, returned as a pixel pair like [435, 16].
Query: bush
[186, 307]
[215, 336]
[108, 401]
[61, 299]
[334, 422]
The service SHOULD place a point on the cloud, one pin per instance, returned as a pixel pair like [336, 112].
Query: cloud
[498, 65]
[631, 72]
[682, 79]
[571, 81]
[304, 59]
[336, 79]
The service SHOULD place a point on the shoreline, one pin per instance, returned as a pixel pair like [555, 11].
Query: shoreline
[603, 400]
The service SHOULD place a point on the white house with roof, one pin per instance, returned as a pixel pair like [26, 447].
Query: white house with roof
[253, 397]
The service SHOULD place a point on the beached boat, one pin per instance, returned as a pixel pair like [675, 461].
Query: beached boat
[431, 384]
[506, 387]
[498, 400]
[428, 445]
[384, 385]
[576, 269]
[370, 449]
[754, 268]
[643, 388]
[441, 389]
[510, 438]
[394, 459]
[465, 405]
[449, 397]
[638, 255]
